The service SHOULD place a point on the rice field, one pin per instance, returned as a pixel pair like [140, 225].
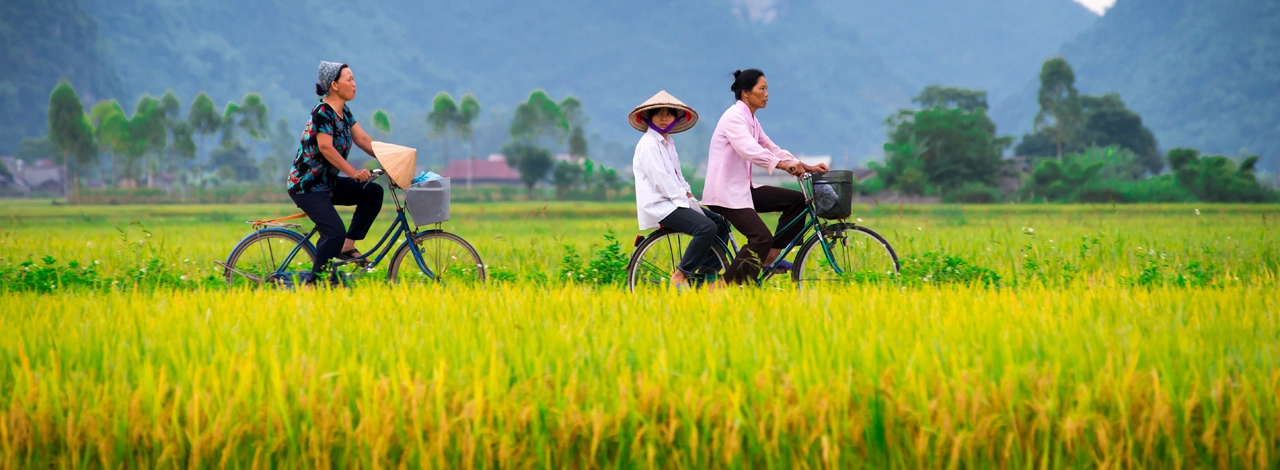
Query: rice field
[1110, 336]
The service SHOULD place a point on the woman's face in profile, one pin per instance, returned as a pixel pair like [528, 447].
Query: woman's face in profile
[345, 86]
[757, 96]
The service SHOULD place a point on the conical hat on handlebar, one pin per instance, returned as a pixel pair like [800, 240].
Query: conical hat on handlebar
[398, 161]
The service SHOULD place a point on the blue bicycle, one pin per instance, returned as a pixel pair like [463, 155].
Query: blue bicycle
[831, 250]
[278, 252]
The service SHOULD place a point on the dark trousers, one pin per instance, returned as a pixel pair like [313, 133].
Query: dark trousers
[319, 206]
[704, 226]
[746, 266]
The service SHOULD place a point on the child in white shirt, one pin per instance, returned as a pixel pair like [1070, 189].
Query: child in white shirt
[663, 197]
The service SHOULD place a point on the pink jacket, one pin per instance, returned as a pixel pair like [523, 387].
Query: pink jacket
[738, 143]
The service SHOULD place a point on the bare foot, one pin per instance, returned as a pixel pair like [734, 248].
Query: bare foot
[678, 278]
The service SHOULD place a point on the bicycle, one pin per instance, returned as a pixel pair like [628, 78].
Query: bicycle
[266, 255]
[837, 252]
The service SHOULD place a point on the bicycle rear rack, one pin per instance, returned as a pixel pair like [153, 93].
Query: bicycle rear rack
[259, 223]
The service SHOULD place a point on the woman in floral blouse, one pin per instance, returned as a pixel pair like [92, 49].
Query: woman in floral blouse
[314, 182]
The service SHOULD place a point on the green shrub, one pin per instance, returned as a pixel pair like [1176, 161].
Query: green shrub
[973, 193]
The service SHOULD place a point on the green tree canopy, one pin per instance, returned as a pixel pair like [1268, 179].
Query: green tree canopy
[540, 116]
[950, 97]
[1214, 178]
[69, 128]
[1108, 122]
[443, 118]
[204, 118]
[1060, 108]
[950, 146]
[565, 176]
[468, 111]
[531, 161]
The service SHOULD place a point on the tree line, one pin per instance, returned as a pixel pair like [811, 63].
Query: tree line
[204, 146]
[208, 146]
[1082, 148]
[537, 125]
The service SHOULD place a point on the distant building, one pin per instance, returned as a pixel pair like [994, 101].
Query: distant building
[493, 170]
[1011, 173]
[43, 176]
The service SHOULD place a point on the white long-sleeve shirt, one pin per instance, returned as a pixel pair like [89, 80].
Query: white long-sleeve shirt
[660, 187]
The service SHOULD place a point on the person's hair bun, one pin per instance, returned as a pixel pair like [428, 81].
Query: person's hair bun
[736, 73]
[319, 91]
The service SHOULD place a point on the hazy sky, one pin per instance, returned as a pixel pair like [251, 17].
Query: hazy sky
[1097, 6]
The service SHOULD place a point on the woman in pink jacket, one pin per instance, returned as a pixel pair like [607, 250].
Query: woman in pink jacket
[737, 143]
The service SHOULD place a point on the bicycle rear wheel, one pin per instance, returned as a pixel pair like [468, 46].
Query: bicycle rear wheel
[857, 255]
[263, 256]
[658, 256]
[448, 257]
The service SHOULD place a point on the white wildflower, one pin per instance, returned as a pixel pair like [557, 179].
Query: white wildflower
[1197, 211]
[859, 219]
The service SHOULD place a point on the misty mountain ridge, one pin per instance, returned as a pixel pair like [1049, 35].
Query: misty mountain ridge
[1202, 75]
[836, 69]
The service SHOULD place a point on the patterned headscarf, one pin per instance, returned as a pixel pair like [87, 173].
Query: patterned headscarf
[328, 74]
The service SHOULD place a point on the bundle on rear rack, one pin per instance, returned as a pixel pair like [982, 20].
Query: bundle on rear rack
[833, 194]
[428, 201]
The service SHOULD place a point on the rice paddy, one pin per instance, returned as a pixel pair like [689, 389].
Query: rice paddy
[1111, 336]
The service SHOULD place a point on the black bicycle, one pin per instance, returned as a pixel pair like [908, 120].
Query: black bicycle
[831, 249]
[277, 252]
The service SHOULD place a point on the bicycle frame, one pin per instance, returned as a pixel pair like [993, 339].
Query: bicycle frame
[399, 227]
[811, 221]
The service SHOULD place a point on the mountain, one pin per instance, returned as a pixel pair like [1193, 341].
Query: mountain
[830, 90]
[42, 42]
[1202, 75]
[992, 45]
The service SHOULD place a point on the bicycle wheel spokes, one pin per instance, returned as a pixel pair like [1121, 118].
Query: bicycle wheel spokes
[260, 257]
[658, 259]
[659, 256]
[448, 257]
[857, 255]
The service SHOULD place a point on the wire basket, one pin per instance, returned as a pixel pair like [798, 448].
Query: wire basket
[833, 194]
[428, 201]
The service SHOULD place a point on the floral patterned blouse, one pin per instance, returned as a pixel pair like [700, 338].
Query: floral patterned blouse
[311, 172]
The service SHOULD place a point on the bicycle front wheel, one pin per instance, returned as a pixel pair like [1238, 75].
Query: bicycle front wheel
[853, 254]
[263, 256]
[658, 256]
[447, 259]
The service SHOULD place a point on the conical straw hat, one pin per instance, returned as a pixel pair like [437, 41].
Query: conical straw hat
[398, 161]
[663, 100]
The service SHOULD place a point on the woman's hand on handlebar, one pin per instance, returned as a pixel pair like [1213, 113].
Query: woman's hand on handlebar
[362, 175]
[792, 167]
[819, 168]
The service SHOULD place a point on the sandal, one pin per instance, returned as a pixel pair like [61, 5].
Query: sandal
[350, 254]
[782, 267]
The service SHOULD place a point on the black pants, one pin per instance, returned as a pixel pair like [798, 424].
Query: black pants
[319, 206]
[746, 266]
[704, 226]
